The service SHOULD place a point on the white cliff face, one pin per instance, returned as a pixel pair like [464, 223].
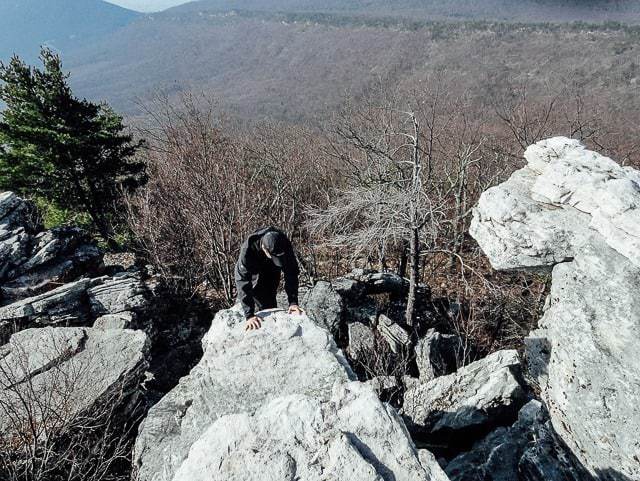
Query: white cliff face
[274, 404]
[578, 212]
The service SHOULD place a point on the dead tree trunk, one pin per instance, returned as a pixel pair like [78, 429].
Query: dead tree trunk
[415, 222]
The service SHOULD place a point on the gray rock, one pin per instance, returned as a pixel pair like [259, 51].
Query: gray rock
[333, 305]
[33, 261]
[372, 282]
[50, 375]
[264, 403]
[395, 335]
[361, 340]
[381, 384]
[14, 247]
[17, 213]
[122, 320]
[526, 451]
[477, 397]
[79, 303]
[579, 213]
[54, 257]
[437, 354]
[324, 305]
[351, 436]
[66, 305]
[125, 291]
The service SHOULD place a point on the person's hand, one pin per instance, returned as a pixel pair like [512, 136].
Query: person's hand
[253, 323]
[295, 309]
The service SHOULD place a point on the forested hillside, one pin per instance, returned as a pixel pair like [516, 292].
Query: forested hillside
[300, 66]
[504, 10]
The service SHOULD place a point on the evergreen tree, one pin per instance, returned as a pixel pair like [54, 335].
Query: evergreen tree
[71, 152]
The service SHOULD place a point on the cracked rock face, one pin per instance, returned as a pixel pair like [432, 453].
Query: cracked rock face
[578, 213]
[71, 368]
[269, 404]
[352, 436]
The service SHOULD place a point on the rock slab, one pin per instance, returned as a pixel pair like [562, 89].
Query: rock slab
[475, 398]
[50, 375]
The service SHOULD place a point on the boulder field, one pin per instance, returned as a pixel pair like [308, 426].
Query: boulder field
[283, 402]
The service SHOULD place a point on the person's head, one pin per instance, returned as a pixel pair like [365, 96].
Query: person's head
[273, 244]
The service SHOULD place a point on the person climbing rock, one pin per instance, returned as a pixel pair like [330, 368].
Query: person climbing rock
[263, 256]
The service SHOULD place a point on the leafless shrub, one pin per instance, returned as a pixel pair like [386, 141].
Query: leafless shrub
[210, 188]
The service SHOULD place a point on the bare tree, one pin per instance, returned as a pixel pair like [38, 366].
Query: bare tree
[387, 201]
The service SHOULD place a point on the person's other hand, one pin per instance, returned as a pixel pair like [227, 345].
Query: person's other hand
[253, 323]
[295, 309]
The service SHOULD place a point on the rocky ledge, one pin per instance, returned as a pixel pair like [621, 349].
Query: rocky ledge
[578, 213]
[275, 404]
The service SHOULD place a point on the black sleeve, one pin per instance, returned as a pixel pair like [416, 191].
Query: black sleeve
[291, 271]
[244, 286]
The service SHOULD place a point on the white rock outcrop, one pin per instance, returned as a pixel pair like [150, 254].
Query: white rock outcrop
[578, 212]
[275, 404]
[48, 376]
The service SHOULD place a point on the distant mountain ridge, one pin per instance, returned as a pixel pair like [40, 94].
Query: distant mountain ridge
[627, 11]
[27, 24]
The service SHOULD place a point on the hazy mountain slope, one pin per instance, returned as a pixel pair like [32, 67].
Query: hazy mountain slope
[495, 10]
[292, 70]
[27, 24]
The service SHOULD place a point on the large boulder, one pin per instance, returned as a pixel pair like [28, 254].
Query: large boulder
[267, 405]
[351, 436]
[49, 376]
[472, 400]
[578, 212]
[526, 451]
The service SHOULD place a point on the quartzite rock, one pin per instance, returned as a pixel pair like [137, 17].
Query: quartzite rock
[266, 405]
[361, 341]
[352, 436]
[578, 212]
[477, 397]
[33, 261]
[122, 292]
[66, 305]
[437, 354]
[333, 305]
[50, 375]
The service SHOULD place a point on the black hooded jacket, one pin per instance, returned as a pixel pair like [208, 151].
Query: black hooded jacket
[252, 261]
